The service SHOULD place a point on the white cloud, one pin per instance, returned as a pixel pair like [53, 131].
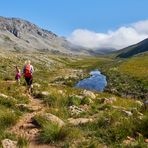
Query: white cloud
[120, 38]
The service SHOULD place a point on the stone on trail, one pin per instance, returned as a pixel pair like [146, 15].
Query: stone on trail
[45, 93]
[52, 118]
[7, 143]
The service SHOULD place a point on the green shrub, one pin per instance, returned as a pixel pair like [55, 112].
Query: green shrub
[7, 118]
[40, 121]
[50, 100]
[73, 100]
[6, 135]
[142, 125]
[22, 99]
[22, 142]
[7, 102]
[61, 112]
[85, 100]
[138, 143]
[51, 133]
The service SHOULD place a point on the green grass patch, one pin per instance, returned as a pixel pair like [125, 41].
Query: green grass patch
[22, 142]
[7, 117]
[52, 133]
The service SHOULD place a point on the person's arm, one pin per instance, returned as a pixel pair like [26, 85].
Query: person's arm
[23, 71]
[32, 69]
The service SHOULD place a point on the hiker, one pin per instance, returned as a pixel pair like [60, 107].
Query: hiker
[27, 72]
[18, 74]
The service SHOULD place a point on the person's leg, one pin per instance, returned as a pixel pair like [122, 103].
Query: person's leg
[27, 80]
[30, 84]
[18, 81]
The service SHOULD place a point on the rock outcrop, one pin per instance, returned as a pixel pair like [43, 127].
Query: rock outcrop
[19, 35]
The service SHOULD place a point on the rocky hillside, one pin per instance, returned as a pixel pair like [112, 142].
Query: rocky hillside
[20, 35]
[133, 50]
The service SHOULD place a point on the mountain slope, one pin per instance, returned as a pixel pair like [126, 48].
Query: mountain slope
[133, 50]
[20, 35]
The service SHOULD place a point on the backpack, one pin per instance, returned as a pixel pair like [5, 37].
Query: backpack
[27, 72]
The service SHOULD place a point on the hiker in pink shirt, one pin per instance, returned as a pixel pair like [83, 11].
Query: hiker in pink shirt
[18, 75]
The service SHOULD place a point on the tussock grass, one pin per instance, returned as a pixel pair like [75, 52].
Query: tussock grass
[51, 133]
[7, 117]
[22, 142]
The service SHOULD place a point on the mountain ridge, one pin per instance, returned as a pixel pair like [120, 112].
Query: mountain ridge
[133, 50]
[20, 35]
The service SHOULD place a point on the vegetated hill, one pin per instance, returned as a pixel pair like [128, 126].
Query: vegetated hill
[128, 77]
[136, 66]
[133, 50]
[100, 51]
[20, 35]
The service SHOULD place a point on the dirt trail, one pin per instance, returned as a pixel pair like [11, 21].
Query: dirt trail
[24, 126]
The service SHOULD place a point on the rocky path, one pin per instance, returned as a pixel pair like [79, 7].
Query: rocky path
[25, 128]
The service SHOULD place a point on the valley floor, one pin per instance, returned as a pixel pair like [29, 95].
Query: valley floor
[58, 115]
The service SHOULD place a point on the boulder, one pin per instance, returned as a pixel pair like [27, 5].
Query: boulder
[45, 93]
[77, 96]
[79, 121]
[52, 118]
[36, 85]
[136, 112]
[129, 140]
[118, 107]
[107, 100]
[3, 95]
[128, 113]
[90, 94]
[61, 92]
[28, 107]
[85, 107]
[8, 97]
[7, 143]
[74, 110]
[139, 103]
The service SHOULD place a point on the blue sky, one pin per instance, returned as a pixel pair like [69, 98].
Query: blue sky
[64, 16]
[89, 23]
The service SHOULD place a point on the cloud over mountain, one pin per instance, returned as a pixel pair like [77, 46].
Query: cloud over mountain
[120, 38]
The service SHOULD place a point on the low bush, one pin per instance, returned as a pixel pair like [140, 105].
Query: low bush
[73, 100]
[22, 142]
[7, 102]
[51, 133]
[7, 118]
